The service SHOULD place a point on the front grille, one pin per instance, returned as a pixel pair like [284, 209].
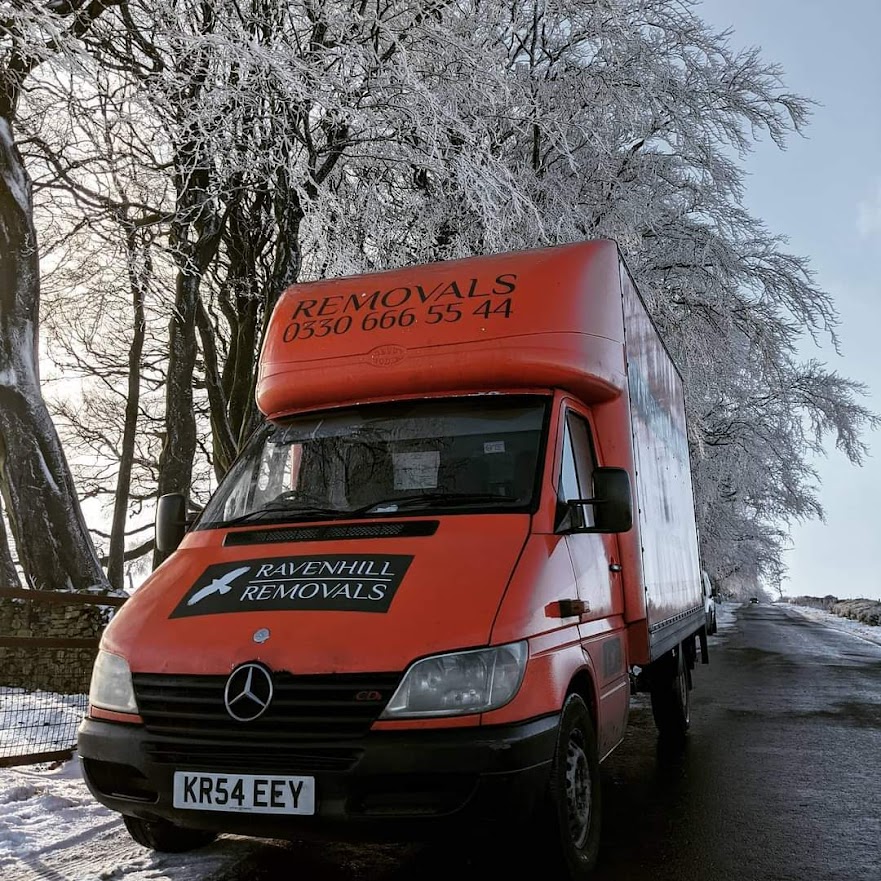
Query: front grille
[312, 723]
[405, 529]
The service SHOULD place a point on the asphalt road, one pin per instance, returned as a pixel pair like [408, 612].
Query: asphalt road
[780, 779]
[781, 776]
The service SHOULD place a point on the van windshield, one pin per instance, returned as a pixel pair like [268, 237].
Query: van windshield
[458, 455]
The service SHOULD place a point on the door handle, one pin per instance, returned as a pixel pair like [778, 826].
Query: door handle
[568, 608]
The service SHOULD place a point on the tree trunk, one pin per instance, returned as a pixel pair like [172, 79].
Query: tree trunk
[243, 358]
[8, 572]
[137, 281]
[241, 309]
[224, 444]
[195, 238]
[179, 447]
[285, 270]
[54, 547]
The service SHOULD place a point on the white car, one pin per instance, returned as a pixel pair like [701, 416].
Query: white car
[709, 603]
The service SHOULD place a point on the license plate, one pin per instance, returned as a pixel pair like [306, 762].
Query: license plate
[247, 793]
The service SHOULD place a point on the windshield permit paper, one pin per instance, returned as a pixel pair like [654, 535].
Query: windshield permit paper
[334, 582]
[415, 471]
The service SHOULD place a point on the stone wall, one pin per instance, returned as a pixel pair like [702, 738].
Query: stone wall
[66, 671]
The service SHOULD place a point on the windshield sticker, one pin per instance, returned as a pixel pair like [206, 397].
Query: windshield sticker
[341, 583]
[416, 470]
[494, 447]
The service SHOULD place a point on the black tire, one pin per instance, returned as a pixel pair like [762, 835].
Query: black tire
[573, 808]
[670, 687]
[163, 836]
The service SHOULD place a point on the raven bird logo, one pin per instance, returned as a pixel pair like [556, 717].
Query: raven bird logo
[220, 585]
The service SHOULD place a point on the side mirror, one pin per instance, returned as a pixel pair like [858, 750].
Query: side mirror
[613, 510]
[171, 521]
[612, 505]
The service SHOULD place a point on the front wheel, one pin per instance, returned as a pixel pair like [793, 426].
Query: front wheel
[572, 812]
[164, 836]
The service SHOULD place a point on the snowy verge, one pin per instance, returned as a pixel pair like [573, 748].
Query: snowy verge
[725, 616]
[846, 625]
[38, 721]
[52, 827]
[863, 610]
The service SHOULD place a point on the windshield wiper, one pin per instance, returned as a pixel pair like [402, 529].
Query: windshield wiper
[441, 498]
[285, 509]
[394, 504]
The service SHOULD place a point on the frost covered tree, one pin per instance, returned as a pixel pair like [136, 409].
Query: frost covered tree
[54, 549]
[257, 109]
[289, 139]
[100, 321]
[625, 120]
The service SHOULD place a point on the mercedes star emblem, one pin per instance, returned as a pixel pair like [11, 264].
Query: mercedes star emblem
[248, 692]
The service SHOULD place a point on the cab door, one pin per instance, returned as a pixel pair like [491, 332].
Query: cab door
[596, 562]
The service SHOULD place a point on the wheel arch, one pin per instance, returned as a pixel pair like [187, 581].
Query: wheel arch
[584, 685]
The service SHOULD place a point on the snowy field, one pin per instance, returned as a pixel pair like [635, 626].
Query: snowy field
[38, 721]
[836, 622]
[51, 827]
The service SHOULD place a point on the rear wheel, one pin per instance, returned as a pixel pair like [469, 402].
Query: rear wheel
[572, 813]
[164, 836]
[669, 689]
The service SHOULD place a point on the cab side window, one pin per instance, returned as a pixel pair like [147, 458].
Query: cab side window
[568, 486]
[582, 446]
[576, 473]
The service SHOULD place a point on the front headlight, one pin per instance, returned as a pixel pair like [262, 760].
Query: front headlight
[111, 687]
[460, 683]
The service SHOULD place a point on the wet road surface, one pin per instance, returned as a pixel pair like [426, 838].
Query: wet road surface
[780, 779]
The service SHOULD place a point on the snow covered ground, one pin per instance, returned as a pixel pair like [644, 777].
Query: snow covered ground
[38, 721]
[836, 622]
[52, 829]
[725, 614]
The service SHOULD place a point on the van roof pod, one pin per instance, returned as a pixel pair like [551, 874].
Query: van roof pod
[508, 321]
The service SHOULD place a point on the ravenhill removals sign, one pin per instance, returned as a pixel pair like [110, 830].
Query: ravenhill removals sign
[337, 582]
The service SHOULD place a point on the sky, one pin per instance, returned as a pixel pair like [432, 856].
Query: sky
[824, 194]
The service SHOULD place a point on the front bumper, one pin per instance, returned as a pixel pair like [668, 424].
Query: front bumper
[405, 785]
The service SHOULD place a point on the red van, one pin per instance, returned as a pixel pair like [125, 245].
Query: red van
[422, 596]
